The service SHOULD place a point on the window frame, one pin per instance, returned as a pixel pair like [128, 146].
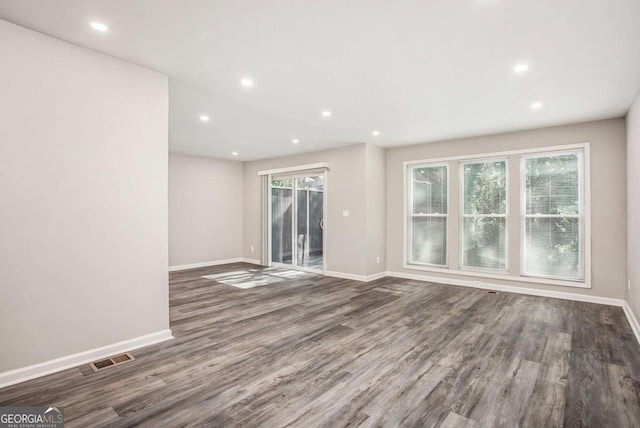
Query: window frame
[580, 216]
[514, 276]
[462, 215]
[410, 215]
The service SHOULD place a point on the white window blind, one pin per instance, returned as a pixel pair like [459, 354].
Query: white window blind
[484, 214]
[428, 208]
[552, 244]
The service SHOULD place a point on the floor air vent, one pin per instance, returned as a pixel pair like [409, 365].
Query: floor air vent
[491, 292]
[111, 361]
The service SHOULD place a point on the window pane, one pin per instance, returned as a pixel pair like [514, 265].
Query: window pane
[553, 185]
[276, 182]
[430, 190]
[429, 240]
[552, 247]
[484, 245]
[315, 182]
[485, 188]
[485, 193]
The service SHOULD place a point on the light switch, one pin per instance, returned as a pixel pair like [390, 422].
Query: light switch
[345, 213]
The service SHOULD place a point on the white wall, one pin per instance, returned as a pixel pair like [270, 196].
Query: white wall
[83, 211]
[608, 206]
[633, 205]
[346, 236]
[205, 209]
[376, 209]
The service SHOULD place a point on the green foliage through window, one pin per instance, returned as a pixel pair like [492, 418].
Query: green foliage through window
[485, 206]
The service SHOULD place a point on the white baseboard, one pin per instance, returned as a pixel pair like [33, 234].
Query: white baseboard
[510, 289]
[345, 275]
[378, 275]
[23, 374]
[361, 278]
[213, 263]
[635, 326]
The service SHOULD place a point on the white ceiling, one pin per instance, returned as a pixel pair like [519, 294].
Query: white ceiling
[418, 71]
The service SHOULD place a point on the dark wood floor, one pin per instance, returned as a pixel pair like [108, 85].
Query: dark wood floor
[306, 351]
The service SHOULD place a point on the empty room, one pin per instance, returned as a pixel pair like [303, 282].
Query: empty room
[361, 213]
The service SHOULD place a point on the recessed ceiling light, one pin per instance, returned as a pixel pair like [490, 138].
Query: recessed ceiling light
[204, 118]
[375, 133]
[99, 26]
[234, 153]
[246, 82]
[326, 113]
[295, 141]
[536, 106]
[520, 68]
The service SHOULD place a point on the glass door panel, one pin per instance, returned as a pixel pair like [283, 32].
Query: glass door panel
[310, 222]
[282, 221]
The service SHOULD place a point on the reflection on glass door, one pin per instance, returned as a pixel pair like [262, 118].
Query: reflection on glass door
[282, 221]
[297, 221]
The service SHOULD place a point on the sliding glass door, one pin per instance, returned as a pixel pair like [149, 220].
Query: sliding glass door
[297, 221]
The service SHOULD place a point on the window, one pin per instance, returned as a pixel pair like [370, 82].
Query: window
[484, 214]
[428, 207]
[553, 216]
[542, 236]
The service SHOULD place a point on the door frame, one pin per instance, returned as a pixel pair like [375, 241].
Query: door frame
[294, 249]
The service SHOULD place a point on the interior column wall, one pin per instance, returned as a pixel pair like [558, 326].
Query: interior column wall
[633, 206]
[83, 179]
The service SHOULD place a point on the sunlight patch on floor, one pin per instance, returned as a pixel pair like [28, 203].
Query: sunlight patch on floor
[249, 278]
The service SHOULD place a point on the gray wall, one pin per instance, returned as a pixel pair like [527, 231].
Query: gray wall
[346, 236]
[83, 212]
[205, 209]
[376, 209]
[608, 184]
[633, 205]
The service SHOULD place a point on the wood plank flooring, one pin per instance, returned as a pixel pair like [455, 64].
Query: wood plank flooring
[309, 351]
